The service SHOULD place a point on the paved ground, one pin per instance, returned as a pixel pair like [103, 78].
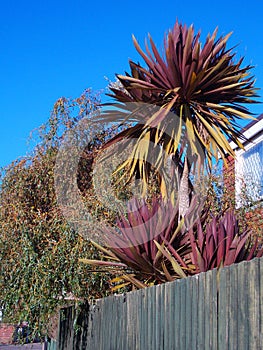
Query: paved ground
[36, 346]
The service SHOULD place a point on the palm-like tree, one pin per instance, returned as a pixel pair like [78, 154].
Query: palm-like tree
[197, 94]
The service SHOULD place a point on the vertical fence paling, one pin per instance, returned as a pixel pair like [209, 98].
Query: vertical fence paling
[51, 345]
[214, 310]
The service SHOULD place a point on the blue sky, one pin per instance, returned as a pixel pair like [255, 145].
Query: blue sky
[56, 48]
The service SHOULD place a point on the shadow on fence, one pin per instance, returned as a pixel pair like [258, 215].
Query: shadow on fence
[220, 309]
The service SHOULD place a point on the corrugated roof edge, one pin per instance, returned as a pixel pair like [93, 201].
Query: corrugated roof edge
[253, 122]
[252, 129]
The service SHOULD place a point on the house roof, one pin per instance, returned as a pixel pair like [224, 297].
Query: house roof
[252, 123]
[251, 131]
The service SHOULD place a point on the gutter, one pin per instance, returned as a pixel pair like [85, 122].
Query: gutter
[250, 132]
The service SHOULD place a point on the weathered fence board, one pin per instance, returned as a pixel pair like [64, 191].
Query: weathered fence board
[253, 302]
[242, 320]
[220, 309]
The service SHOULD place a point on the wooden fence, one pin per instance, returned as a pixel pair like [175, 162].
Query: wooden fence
[220, 309]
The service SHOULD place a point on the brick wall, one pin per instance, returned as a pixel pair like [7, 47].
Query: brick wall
[6, 333]
[229, 179]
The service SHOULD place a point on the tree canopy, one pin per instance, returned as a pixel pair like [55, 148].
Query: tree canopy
[39, 250]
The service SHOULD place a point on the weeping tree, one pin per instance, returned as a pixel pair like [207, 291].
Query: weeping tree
[39, 250]
[181, 105]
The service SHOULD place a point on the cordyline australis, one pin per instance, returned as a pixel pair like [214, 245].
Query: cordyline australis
[149, 245]
[221, 243]
[198, 94]
[139, 256]
[187, 104]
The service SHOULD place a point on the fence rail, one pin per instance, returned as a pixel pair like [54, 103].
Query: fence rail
[220, 309]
